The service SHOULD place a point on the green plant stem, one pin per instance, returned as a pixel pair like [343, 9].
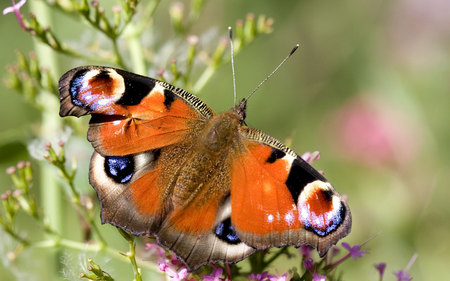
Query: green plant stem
[133, 31]
[71, 52]
[112, 36]
[136, 52]
[94, 248]
[206, 75]
[257, 262]
[76, 200]
[51, 123]
[51, 191]
[119, 60]
[336, 263]
[132, 257]
[274, 257]
[16, 236]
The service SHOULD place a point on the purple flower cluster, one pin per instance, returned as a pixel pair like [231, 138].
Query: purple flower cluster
[402, 275]
[265, 276]
[320, 270]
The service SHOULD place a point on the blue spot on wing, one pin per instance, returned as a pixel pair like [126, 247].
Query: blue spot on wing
[75, 87]
[332, 226]
[226, 232]
[119, 168]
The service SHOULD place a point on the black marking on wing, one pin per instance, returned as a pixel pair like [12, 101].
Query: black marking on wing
[190, 99]
[156, 154]
[275, 155]
[119, 168]
[103, 75]
[99, 118]
[136, 88]
[169, 98]
[327, 194]
[300, 175]
[226, 232]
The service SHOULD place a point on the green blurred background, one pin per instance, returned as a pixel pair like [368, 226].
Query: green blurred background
[369, 88]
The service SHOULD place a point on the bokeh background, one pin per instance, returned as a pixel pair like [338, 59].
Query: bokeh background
[369, 88]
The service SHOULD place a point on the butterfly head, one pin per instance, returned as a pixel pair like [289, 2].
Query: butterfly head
[240, 110]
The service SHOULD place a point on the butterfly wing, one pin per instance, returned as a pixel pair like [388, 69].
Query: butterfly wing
[143, 132]
[201, 232]
[130, 113]
[135, 194]
[278, 199]
[135, 120]
[130, 190]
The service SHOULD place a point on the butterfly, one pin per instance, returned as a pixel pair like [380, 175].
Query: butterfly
[208, 187]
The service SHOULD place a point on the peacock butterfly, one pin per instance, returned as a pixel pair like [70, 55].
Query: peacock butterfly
[207, 186]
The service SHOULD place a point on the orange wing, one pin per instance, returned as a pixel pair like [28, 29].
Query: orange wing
[143, 131]
[129, 190]
[130, 113]
[278, 199]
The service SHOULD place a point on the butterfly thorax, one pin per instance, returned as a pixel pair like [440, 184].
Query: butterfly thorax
[219, 132]
[204, 165]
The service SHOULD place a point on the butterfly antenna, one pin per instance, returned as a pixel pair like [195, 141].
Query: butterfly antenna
[273, 72]
[230, 37]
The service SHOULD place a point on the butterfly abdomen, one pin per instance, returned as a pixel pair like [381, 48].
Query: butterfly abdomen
[191, 178]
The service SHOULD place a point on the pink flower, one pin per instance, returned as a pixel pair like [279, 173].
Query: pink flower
[380, 268]
[402, 275]
[11, 170]
[116, 9]
[318, 277]
[306, 251]
[259, 277]
[311, 156]
[15, 9]
[336, 250]
[354, 251]
[155, 248]
[278, 278]
[179, 275]
[175, 275]
[375, 132]
[163, 265]
[160, 72]
[308, 263]
[174, 260]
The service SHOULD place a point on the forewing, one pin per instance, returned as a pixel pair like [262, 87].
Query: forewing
[130, 113]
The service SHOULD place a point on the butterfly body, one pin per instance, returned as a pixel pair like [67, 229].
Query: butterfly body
[207, 186]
